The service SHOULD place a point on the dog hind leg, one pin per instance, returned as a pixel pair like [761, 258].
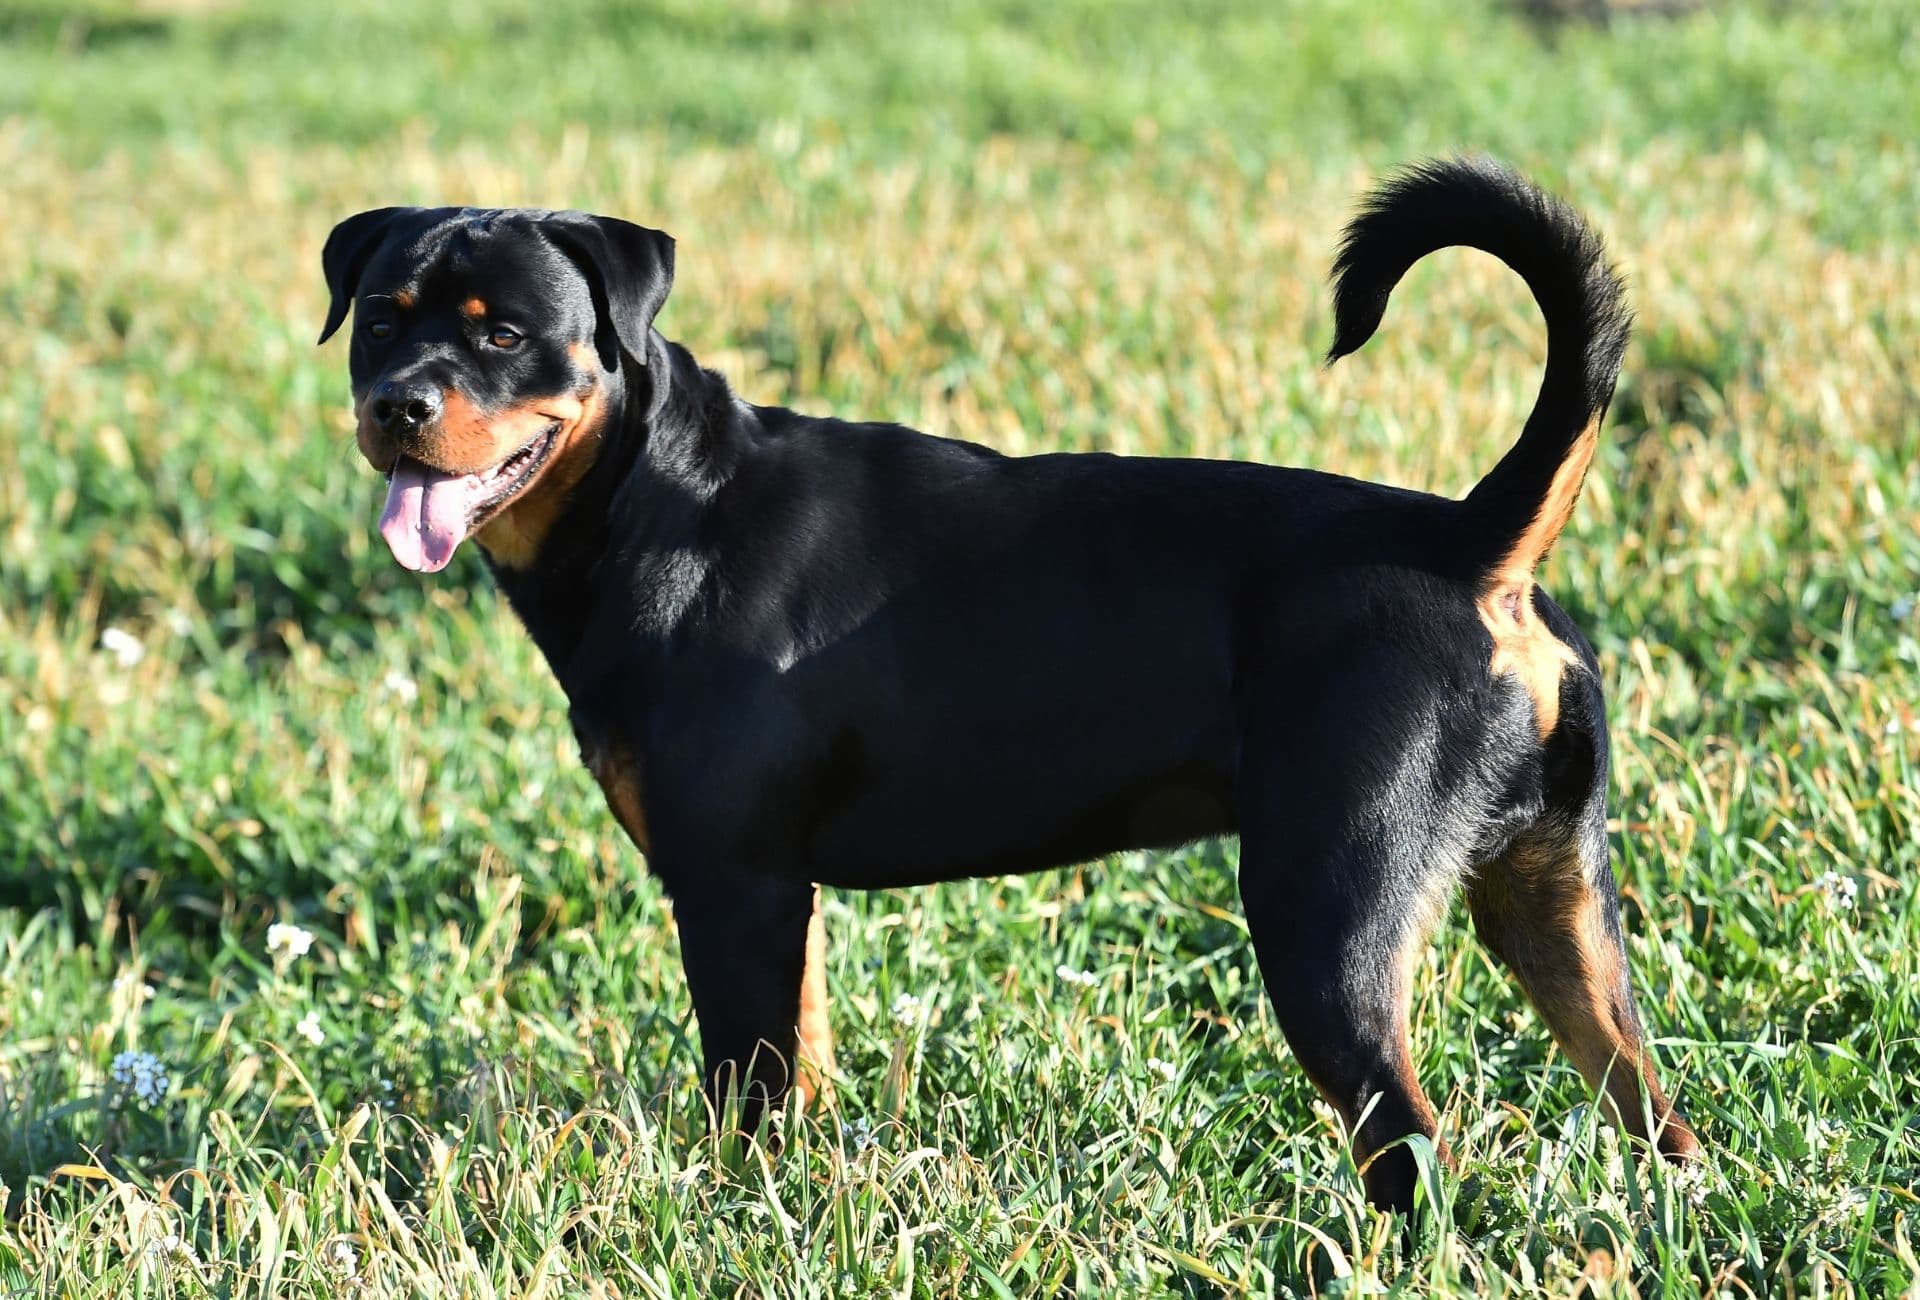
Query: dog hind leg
[1546, 907]
[1338, 922]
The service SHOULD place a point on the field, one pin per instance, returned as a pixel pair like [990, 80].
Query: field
[1039, 225]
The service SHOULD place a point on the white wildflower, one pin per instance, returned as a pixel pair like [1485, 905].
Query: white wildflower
[143, 1075]
[286, 942]
[129, 986]
[1690, 1178]
[909, 1010]
[1841, 891]
[342, 1258]
[1167, 1070]
[123, 645]
[400, 686]
[860, 1132]
[309, 1028]
[173, 1249]
[1066, 974]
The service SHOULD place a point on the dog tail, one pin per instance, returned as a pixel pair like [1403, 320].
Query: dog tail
[1522, 505]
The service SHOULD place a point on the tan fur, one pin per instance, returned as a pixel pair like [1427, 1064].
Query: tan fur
[470, 439]
[1522, 645]
[815, 1083]
[619, 775]
[474, 309]
[1536, 909]
[514, 536]
[374, 445]
[1424, 918]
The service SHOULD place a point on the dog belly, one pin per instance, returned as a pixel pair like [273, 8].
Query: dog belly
[958, 848]
[971, 809]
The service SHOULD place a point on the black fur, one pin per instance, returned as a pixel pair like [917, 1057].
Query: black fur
[1475, 203]
[856, 655]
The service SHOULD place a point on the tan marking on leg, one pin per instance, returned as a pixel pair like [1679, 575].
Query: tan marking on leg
[1522, 645]
[1384, 1115]
[815, 1082]
[618, 772]
[1420, 926]
[1602, 1039]
[1537, 910]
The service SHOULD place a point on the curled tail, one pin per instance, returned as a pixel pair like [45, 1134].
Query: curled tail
[1522, 505]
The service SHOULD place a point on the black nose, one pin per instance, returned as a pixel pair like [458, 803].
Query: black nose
[400, 408]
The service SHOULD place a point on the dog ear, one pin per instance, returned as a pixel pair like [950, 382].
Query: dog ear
[349, 248]
[629, 272]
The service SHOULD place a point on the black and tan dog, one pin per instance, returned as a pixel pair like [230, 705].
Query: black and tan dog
[802, 651]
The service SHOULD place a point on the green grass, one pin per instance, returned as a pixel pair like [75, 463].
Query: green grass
[1071, 225]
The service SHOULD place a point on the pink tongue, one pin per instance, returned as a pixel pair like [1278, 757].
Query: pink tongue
[426, 514]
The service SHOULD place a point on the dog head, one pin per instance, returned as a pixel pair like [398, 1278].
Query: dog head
[485, 342]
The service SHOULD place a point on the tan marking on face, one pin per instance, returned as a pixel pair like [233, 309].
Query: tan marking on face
[815, 1083]
[474, 309]
[375, 446]
[1522, 645]
[466, 439]
[470, 440]
[404, 299]
[618, 772]
[513, 537]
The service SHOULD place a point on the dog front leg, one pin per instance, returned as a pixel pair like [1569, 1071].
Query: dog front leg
[754, 958]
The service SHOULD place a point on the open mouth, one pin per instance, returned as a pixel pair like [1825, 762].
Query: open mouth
[429, 512]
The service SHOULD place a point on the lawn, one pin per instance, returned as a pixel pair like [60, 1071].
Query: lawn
[1040, 225]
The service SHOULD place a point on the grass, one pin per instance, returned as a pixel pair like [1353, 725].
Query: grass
[222, 706]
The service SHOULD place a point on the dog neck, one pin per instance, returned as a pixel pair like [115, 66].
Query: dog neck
[672, 436]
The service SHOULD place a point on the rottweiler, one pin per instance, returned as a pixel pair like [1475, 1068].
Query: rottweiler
[802, 651]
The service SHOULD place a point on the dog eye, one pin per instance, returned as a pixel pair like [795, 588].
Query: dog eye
[503, 338]
[379, 329]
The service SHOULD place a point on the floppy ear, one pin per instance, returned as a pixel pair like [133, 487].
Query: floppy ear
[348, 250]
[629, 272]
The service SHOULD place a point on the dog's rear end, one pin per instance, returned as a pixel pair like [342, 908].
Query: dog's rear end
[1363, 824]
